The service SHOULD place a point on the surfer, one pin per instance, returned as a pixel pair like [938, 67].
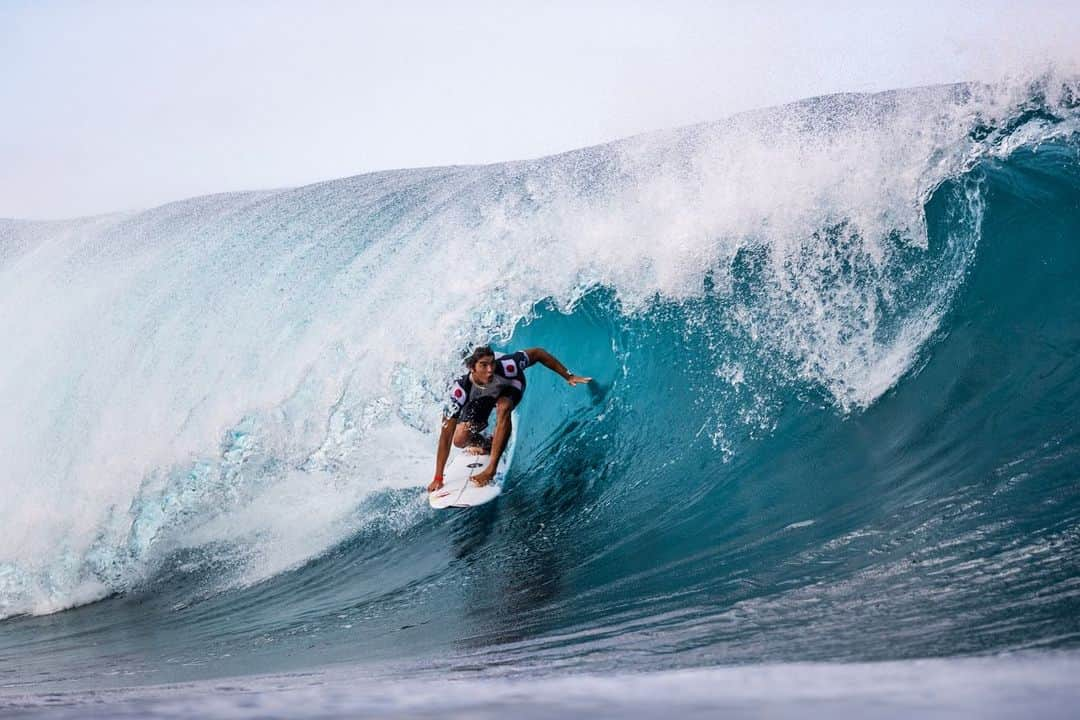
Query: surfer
[494, 382]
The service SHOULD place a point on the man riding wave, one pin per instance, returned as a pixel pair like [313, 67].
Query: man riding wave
[494, 382]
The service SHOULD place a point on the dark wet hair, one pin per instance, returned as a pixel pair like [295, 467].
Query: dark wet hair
[477, 353]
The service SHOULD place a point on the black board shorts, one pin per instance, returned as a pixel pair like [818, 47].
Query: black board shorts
[478, 410]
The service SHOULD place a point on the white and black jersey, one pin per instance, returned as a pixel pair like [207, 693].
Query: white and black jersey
[473, 403]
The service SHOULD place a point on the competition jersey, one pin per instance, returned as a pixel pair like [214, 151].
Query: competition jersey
[508, 381]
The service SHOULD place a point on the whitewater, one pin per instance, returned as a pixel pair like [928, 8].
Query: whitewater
[830, 455]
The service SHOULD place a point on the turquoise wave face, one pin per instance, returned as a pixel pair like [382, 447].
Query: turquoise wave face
[944, 519]
[868, 450]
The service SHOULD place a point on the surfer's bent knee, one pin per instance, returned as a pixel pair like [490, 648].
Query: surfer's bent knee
[462, 433]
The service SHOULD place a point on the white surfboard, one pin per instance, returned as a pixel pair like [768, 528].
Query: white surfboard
[459, 490]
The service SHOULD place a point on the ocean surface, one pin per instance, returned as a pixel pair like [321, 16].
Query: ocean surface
[829, 464]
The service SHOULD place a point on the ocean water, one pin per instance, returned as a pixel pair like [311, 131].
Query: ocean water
[829, 464]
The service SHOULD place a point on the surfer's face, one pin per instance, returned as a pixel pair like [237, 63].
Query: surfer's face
[483, 370]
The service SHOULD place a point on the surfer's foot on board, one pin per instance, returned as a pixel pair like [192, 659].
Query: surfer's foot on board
[483, 477]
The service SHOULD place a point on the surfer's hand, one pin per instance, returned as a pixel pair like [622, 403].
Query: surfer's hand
[578, 380]
[435, 484]
[483, 477]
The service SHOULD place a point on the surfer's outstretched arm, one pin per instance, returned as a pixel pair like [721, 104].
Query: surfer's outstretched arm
[445, 438]
[549, 361]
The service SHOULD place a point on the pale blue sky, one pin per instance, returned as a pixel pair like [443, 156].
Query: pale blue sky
[122, 105]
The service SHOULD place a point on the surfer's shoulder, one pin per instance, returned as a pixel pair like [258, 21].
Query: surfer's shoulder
[459, 391]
